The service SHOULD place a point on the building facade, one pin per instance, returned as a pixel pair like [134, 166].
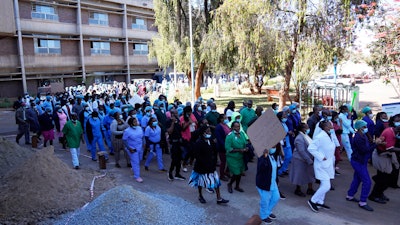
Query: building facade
[68, 42]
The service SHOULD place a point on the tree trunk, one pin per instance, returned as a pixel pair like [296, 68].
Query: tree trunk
[199, 80]
[284, 92]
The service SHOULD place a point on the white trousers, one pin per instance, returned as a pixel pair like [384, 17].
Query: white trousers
[319, 195]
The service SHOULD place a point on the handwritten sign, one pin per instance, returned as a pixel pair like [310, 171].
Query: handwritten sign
[265, 132]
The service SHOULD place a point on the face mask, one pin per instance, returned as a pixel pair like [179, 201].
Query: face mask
[126, 110]
[371, 115]
[207, 136]
[346, 113]
[155, 124]
[396, 124]
[68, 103]
[332, 131]
[199, 108]
[121, 117]
[226, 121]
[329, 118]
[385, 121]
[365, 130]
[148, 114]
[87, 108]
[214, 110]
[337, 120]
[320, 113]
[398, 136]
[276, 111]
[308, 131]
[238, 120]
[74, 121]
[284, 120]
[272, 151]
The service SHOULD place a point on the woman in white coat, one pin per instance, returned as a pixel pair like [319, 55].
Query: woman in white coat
[323, 150]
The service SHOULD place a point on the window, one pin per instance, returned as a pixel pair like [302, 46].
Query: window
[47, 46]
[98, 18]
[139, 23]
[100, 48]
[140, 49]
[44, 12]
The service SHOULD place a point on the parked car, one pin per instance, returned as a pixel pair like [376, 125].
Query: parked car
[329, 80]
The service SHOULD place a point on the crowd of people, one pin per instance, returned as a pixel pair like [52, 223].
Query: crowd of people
[199, 135]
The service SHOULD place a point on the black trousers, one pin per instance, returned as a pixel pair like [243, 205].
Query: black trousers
[176, 156]
[382, 181]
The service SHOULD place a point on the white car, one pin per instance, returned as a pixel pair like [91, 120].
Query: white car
[329, 80]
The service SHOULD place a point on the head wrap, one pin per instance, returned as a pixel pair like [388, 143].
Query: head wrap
[359, 124]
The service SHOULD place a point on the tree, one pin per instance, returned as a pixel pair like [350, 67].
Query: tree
[278, 36]
[172, 46]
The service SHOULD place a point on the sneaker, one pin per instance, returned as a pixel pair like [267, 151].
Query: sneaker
[129, 165]
[170, 177]
[239, 189]
[323, 206]
[224, 178]
[337, 173]
[202, 200]
[366, 207]
[229, 188]
[385, 198]
[139, 180]
[313, 206]
[179, 177]
[282, 196]
[76, 167]
[267, 220]
[210, 190]
[352, 199]
[377, 200]
[111, 153]
[184, 169]
[272, 216]
[222, 201]
[146, 168]
[299, 193]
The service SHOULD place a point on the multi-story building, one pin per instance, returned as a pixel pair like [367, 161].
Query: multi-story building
[70, 42]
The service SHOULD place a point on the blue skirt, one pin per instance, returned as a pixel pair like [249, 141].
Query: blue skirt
[208, 180]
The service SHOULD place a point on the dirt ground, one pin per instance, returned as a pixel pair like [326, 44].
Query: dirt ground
[36, 184]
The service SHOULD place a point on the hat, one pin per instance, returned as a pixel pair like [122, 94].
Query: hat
[117, 103]
[48, 97]
[286, 108]
[180, 111]
[148, 108]
[111, 113]
[161, 103]
[170, 107]
[366, 109]
[156, 102]
[359, 124]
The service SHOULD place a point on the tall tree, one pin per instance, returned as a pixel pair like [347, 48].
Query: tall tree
[172, 46]
[278, 36]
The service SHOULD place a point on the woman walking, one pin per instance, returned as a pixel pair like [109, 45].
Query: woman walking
[152, 135]
[362, 150]
[47, 126]
[302, 171]
[133, 140]
[60, 119]
[235, 146]
[266, 184]
[323, 150]
[117, 128]
[204, 174]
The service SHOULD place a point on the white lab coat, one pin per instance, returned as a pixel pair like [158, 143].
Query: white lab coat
[322, 147]
[319, 130]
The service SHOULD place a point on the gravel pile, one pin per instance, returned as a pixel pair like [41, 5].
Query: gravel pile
[125, 205]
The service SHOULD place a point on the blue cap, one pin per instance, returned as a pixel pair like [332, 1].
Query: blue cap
[156, 102]
[148, 108]
[366, 109]
[359, 124]
[117, 103]
[170, 107]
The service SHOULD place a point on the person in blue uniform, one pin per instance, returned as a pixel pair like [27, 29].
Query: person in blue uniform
[133, 141]
[152, 135]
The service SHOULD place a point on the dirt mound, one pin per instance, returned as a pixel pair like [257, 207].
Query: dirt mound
[12, 155]
[42, 187]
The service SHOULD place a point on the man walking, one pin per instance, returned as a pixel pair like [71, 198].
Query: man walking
[23, 124]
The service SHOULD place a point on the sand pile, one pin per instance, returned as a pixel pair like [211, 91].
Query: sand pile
[125, 205]
[11, 155]
[42, 187]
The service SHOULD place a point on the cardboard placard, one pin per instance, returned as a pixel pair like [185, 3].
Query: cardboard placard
[135, 99]
[265, 132]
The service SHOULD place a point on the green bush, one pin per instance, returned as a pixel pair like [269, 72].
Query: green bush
[5, 103]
